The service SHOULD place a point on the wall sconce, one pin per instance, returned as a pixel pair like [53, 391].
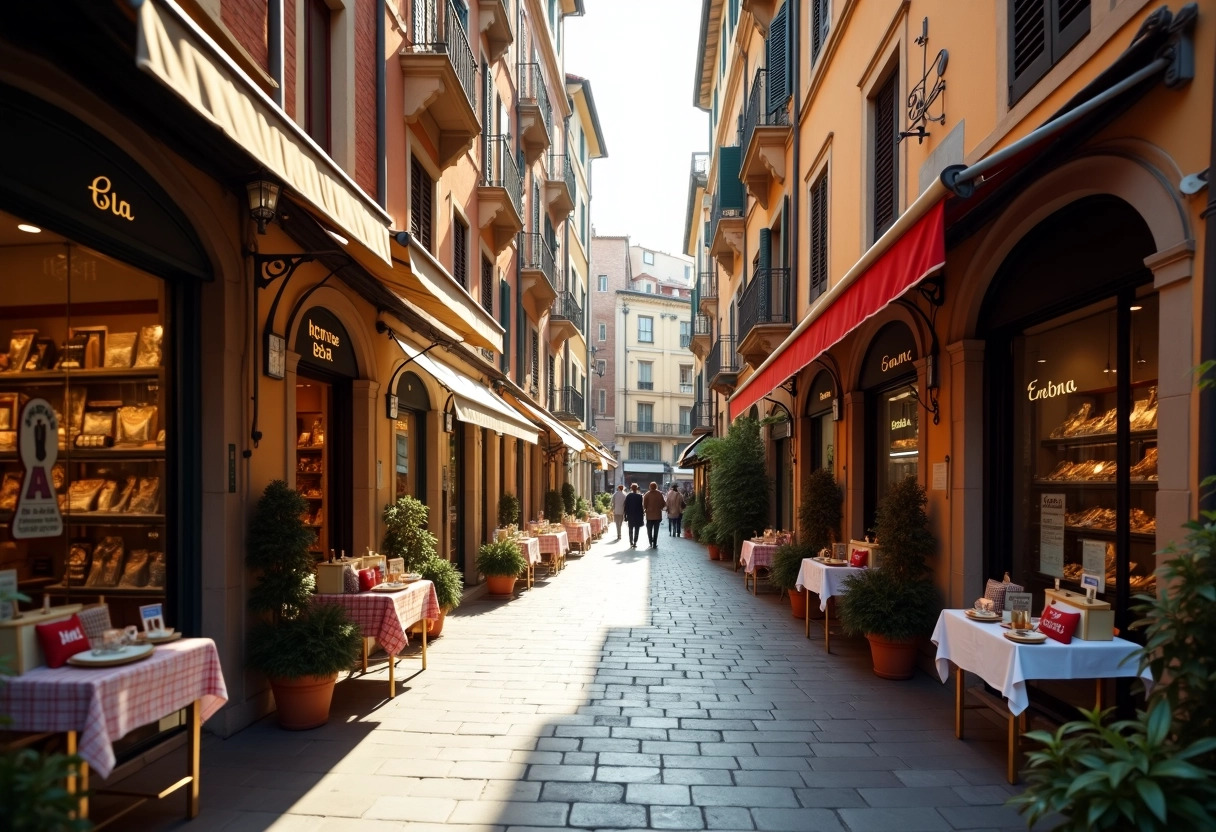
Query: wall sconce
[263, 201]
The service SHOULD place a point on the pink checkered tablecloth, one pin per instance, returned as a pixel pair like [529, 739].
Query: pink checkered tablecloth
[756, 555]
[387, 616]
[579, 533]
[599, 524]
[556, 543]
[105, 704]
[529, 547]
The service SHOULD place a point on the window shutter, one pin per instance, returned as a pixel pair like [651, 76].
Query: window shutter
[422, 194]
[505, 306]
[552, 381]
[886, 167]
[460, 252]
[1069, 23]
[777, 61]
[1029, 45]
[820, 21]
[487, 285]
[819, 237]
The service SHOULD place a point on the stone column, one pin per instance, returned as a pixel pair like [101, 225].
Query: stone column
[365, 451]
[965, 473]
[855, 465]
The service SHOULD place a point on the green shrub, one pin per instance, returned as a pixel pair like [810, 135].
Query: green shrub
[694, 514]
[405, 532]
[821, 510]
[738, 483]
[581, 508]
[508, 510]
[787, 562]
[500, 558]
[449, 584]
[568, 497]
[321, 642]
[553, 506]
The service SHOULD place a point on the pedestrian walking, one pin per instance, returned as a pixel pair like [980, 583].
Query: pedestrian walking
[634, 514]
[655, 505]
[618, 510]
[675, 511]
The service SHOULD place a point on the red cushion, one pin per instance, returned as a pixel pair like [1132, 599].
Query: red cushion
[1057, 624]
[368, 578]
[859, 557]
[60, 640]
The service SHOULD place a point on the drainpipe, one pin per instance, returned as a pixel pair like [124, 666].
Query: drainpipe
[381, 109]
[274, 46]
[791, 286]
[1207, 329]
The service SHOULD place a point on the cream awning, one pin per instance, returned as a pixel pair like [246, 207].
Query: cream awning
[597, 447]
[568, 437]
[171, 47]
[474, 403]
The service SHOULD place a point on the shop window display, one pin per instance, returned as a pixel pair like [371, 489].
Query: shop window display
[88, 335]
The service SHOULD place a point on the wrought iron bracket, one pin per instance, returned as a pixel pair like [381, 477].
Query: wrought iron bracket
[790, 385]
[267, 268]
[924, 94]
[933, 290]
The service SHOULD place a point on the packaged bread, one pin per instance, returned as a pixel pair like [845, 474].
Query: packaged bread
[82, 494]
[123, 495]
[19, 349]
[135, 572]
[148, 353]
[99, 423]
[1145, 469]
[58, 476]
[10, 487]
[156, 569]
[1073, 422]
[146, 499]
[135, 424]
[78, 561]
[110, 552]
[75, 408]
[105, 497]
[120, 349]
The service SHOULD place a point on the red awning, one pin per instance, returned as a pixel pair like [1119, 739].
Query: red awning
[916, 254]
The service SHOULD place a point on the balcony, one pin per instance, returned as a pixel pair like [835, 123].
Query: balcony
[764, 314]
[722, 366]
[565, 321]
[568, 405]
[707, 292]
[660, 428]
[701, 332]
[496, 26]
[535, 112]
[725, 229]
[537, 275]
[685, 389]
[766, 130]
[500, 193]
[699, 170]
[702, 418]
[762, 12]
[559, 187]
[441, 78]
[645, 385]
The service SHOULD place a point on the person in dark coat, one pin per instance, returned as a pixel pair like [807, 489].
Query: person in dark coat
[655, 505]
[635, 515]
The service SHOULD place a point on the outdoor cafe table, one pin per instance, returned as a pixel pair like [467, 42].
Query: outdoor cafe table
[580, 535]
[981, 648]
[555, 544]
[97, 706]
[529, 547]
[599, 524]
[826, 582]
[754, 557]
[387, 617]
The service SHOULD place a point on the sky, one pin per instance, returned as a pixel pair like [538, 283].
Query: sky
[639, 56]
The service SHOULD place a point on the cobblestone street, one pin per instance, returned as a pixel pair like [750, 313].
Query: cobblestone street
[636, 689]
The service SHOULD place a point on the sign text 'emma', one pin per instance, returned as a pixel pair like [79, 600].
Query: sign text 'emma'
[890, 362]
[1050, 390]
[324, 342]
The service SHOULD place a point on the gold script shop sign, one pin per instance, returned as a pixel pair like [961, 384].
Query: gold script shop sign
[105, 198]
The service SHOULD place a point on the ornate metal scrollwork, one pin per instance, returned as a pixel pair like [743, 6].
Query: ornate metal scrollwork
[924, 95]
[270, 267]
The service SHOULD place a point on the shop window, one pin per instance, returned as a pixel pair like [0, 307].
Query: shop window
[884, 170]
[422, 197]
[819, 236]
[460, 251]
[646, 328]
[821, 407]
[317, 72]
[893, 410]
[1040, 33]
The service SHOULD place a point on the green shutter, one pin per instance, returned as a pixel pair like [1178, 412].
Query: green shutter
[777, 61]
[730, 187]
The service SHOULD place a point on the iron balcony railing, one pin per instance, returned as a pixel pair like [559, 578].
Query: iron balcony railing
[702, 326]
[532, 90]
[703, 415]
[501, 170]
[645, 385]
[700, 168]
[765, 300]
[727, 200]
[685, 389]
[708, 285]
[437, 28]
[758, 113]
[566, 306]
[559, 166]
[722, 358]
[539, 257]
[660, 428]
[569, 403]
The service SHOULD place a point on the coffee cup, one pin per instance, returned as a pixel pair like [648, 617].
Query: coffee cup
[1019, 619]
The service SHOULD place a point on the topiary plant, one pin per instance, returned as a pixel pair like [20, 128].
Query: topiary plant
[508, 510]
[500, 558]
[821, 510]
[787, 562]
[581, 508]
[553, 506]
[405, 533]
[568, 497]
[449, 584]
[694, 514]
[738, 483]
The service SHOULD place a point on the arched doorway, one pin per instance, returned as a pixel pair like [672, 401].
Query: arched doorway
[888, 377]
[409, 437]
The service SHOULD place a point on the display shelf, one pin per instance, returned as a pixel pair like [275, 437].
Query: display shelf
[99, 518]
[118, 454]
[310, 448]
[101, 591]
[1140, 485]
[1097, 439]
[43, 378]
[1105, 534]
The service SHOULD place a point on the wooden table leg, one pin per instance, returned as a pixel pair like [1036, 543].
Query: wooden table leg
[1098, 694]
[960, 689]
[363, 639]
[827, 627]
[807, 624]
[1017, 725]
[425, 627]
[392, 670]
[194, 726]
[78, 784]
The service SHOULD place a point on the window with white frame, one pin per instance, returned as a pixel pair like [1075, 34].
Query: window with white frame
[603, 331]
[603, 401]
[645, 375]
[648, 257]
[685, 378]
[645, 417]
[645, 329]
[644, 451]
[602, 283]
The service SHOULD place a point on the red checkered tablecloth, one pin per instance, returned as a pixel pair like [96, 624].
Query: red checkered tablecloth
[105, 704]
[386, 616]
[579, 533]
[529, 547]
[556, 543]
[599, 524]
[756, 555]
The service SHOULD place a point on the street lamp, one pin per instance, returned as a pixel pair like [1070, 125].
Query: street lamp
[263, 201]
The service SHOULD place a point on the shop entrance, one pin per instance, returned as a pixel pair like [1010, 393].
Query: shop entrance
[821, 410]
[892, 413]
[409, 438]
[451, 492]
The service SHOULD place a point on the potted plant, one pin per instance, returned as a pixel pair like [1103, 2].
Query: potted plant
[501, 562]
[568, 497]
[712, 536]
[787, 562]
[300, 647]
[405, 532]
[694, 516]
[449, 588]
[738, 484]
[820, 513]
[894, 605]
[508, 510]
[553, 506]
[581, 509]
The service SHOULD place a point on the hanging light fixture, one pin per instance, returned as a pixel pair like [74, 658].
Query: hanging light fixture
[263, 201]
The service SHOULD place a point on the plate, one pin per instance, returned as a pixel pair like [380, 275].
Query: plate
[128, 654]
[388, 587]
[410, 577]
[174, 636]
[987, 619]
[833, 561]
[1030, 637]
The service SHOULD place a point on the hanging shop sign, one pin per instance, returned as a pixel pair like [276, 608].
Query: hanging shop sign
[892, 354]
[37, 512]
[323, 344]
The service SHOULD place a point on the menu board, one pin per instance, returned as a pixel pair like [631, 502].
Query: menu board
[1093, 562]
[1051, 535]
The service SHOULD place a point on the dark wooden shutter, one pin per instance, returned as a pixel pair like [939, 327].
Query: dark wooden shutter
[819, 237]
[422, 195]
[535, 360]
[820, 22]
[487, 285]
[552, 382]
[886, 165]
[1069, 23]
[487, 120]
[505, 307]
[1029, 45]
[777, 61]
[460, 252]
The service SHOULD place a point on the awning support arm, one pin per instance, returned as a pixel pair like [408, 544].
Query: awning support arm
[932, 289]
[390, 397]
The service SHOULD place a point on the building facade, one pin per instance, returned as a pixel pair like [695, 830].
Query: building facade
[322, 244]
[1000, 296]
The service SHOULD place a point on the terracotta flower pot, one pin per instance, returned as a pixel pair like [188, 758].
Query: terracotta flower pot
[303, 703]
[501, 585]
[435, 628]
[688, 534]
[893, 659]
[714, 553]
[797, 603]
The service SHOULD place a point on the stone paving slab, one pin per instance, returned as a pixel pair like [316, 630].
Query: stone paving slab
[634, 690]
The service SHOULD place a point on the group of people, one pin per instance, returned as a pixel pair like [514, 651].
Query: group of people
[635, 508]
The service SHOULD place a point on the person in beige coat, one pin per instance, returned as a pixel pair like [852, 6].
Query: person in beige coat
[675, 511]
[654, 505]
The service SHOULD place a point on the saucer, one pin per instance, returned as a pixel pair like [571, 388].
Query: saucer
[977, 616]
[1025, 636]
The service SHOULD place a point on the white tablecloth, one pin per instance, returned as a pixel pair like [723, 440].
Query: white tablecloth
[824, 581]
[982, 649]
